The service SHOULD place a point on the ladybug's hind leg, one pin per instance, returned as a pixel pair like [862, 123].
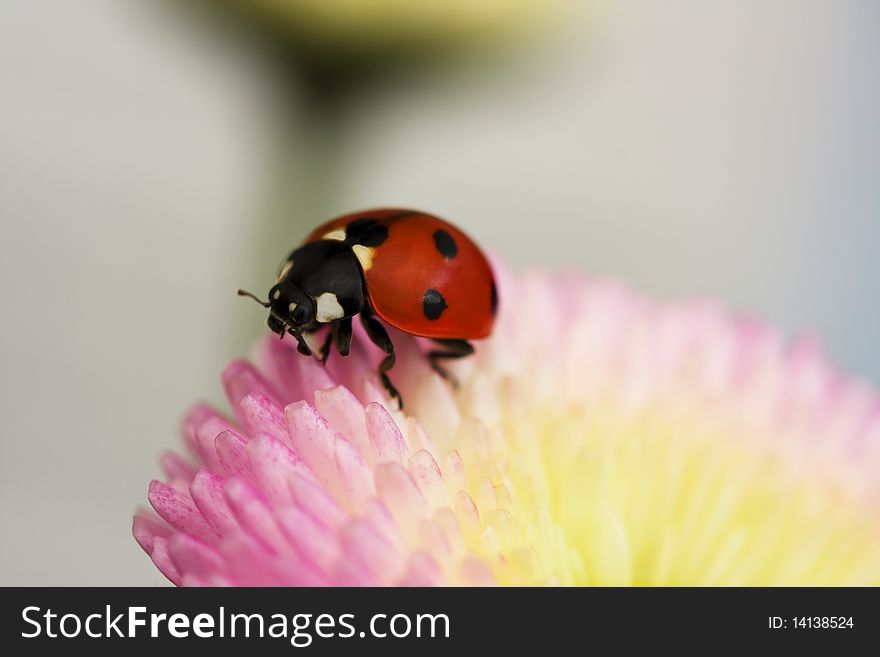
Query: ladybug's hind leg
[453, 349]
[379, 336]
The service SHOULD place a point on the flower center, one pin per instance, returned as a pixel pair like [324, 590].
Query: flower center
[603, 496]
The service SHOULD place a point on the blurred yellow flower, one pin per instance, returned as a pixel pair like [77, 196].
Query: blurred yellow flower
[353, 25]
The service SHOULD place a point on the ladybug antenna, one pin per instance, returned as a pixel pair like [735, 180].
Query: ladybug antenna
[245, 293]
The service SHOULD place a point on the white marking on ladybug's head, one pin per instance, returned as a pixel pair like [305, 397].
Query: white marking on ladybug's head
[328, 308]
[276, 295]
[291, 307]
[338, 234]
[285, 270]
[364, 255]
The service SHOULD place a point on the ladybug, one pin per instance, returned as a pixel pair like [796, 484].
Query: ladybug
[408, 269]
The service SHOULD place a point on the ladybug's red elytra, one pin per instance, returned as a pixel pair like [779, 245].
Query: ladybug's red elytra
[411, 270]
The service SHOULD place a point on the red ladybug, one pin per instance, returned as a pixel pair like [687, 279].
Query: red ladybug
[410, 269]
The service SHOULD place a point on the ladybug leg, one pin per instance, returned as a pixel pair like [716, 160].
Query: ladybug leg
[341, 332]
[325, 348]
[379, 336]
[301, 345]
[453, 349]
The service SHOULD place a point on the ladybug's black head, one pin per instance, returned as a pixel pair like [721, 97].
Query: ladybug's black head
[289, 308]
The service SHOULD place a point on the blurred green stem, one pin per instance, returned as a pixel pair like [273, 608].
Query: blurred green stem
[307, 176]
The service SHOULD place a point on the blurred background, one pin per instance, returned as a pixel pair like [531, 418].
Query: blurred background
[155, 156]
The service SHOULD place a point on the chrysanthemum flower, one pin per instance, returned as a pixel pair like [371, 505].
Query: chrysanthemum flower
[596, 438]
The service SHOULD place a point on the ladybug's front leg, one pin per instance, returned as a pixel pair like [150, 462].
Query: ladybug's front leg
[301, 344]
[379, 336]
[339, 334]
[342, 335]
[325, 348]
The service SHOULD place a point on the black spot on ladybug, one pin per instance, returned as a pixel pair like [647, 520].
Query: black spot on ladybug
[366, 232]
[433, 304]
[359, 225]
[494, 298]
[445, 244]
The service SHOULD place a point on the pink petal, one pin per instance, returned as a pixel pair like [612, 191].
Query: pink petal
[418, 437]
[399, 492]
[446, 520]
[315, 501]
[232, 455]
[163, 561]
[146, 527]
[433, 539]
[206, 490]
[273, 465]
[352, 371]
[241, 378]
[453, 469]
[195, 417]
[264, 416]
[355, 474]
[176, 468]
[501, 521]
[352, 573]
[426, 473]
[421, 570]
[481, 399]
[381, 519]
[205, 436]
[384, 435]
[314, 540]
[248, 561]
[192, 557]
[373, 392]
[474, 572]
[254, 514]
[179, 511]
[370, 550]
[435, 406]
[346, 415]
[299, 375]
[467, 510]
[312, 439]
[291, 570]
